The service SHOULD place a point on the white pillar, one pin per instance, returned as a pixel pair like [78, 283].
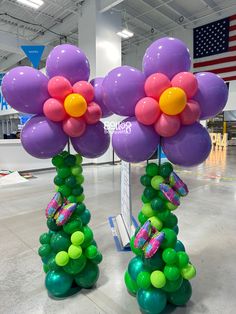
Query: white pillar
[98, 38]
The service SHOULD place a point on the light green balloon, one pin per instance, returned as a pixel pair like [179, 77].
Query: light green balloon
[156, 181]
[158, 279]
[147, 210]
[188, 272]
[74, 252]
[62, 258]
[77, 238]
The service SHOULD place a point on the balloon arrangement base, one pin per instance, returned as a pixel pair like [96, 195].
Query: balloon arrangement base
[68, 251]
[159, 279]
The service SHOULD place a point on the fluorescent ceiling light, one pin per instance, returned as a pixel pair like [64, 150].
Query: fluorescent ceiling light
[125, 33]
[35, 4]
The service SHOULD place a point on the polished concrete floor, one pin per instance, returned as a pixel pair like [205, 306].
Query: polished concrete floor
[207, 222]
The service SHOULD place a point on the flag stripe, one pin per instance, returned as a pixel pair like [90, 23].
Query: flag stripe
[232, 17]
[231, 38]
[232, 28]
[232, 48]
[229, 78]
[216, 61]
[223, 70]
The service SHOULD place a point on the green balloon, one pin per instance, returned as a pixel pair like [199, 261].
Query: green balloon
[130, 284]
[171, 221]
[72, 199]
[170, 238]
[80, 179]
[145, 180]
[64, 172]
[70, 160]
[75, 266]
[97, 259]
[136, 265]
[73, 225]
[64, 154]
[142, 218]
[77, 190]
[172, 286]
[152, 169]
[170, 206]
[52, 264]
[88, 276]
[172, 273]
[169, 256]
[154, 263]
[183, 259]
[143, 280]
[51, 223]
[45, 268]
[166, 169]
[76, 170]
[156, 181]
[85, 217]
[157, 204]
[79, 159]
[179, 246]
[65, 190]
[45, 238]
[80, 209]
[88, 237]
[60, 242]
[182, 295]
[80, 198]
[44, 250]
[58, 161]
[163, 215]
[58, 283]
[135, 250]
[144, 199]
[150, 193]
[151, 301]
[58, 181]
[70, 181]
[91, 251]
[161, 195]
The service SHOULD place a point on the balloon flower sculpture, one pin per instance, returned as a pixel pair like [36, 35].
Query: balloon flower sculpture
[64, 105]
[163, 105]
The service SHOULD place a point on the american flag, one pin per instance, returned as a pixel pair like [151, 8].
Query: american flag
[214, 48]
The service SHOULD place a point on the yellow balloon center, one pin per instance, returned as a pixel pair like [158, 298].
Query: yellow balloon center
[75, 105]
[173, 101]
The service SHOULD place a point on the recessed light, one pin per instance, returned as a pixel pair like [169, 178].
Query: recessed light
[35, 4]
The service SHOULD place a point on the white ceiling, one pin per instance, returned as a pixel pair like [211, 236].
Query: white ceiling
[57, 21]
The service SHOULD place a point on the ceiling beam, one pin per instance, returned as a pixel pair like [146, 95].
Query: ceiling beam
[176, 8]
[106, 5]
[211, 4]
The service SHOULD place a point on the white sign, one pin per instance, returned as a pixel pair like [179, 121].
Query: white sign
[126, 211]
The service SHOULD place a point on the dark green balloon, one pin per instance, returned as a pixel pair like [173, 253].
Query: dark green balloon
[88, 276]
[58, 181]
[145, 180]
[161, 195]
[85, 217]
[64, 172]
[60, 242]
[58, 282]
[75, 266]
[154, 263]
[73, 225]
[157, 204]
[171, 221]
[80, 209]
[172, 286]
[77, 190]
[44, 250]
[70, 160]
[51, 223]
[142, 218]
[135, 250]
[144, 199]
[88, 237]
[136, 265]
[130, 284]
[58, 161]
[64, 154]
[179, 246]
[163, 215]
[150, 193]
[182, 295]
[97, 259]
[70, 181]
[72, 199]
[45, 238]
[65, 190]
[151, 301]
[152, 169]
[166, 169]
[52, 264]
[170, 238]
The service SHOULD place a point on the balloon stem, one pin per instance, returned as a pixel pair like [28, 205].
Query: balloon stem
[159, 153]
[68, 146]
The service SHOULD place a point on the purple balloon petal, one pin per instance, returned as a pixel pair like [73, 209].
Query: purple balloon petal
[98, 97]
[123, 87]
[25, 89]
[68, 61]
[133, 141]
[189, 147]
[43, 138]
[168, 56]
[94, 142]
[212, 94]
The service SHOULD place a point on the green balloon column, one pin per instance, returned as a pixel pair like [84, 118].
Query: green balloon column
[164, 277]
[69, 253]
